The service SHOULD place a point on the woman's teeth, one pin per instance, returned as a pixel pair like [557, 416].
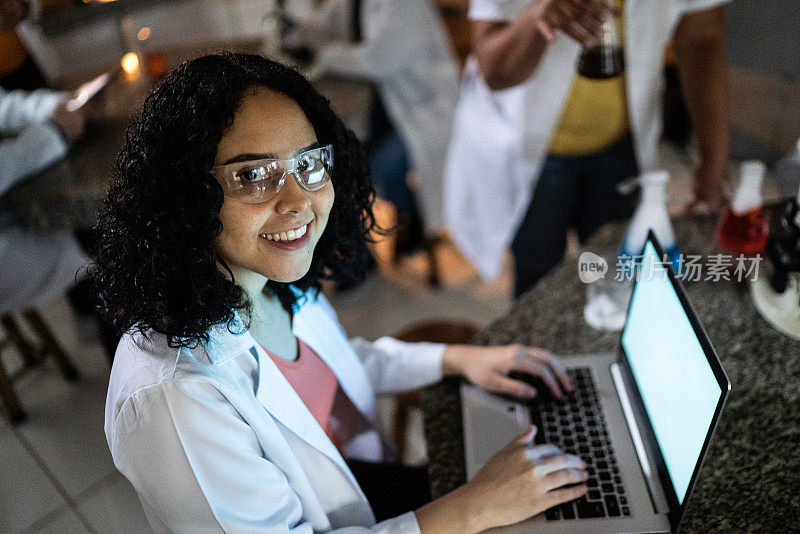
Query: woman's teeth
[291, 235]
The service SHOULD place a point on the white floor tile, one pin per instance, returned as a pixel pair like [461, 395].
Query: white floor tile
[26, 494]
[114, 508]
[65, 523]
[65, 426]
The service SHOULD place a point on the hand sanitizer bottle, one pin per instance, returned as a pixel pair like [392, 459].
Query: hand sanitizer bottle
[744, 229]
[652, 214]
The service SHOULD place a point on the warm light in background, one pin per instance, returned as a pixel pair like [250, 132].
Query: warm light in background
[143, 34]
[93, 1]
[130, 63]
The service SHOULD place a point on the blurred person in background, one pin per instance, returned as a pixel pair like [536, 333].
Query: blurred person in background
[402, 48]
[38, 130]
[572, 139]
[35, 131]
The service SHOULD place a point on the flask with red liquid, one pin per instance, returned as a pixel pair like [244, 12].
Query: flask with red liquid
[744, 228]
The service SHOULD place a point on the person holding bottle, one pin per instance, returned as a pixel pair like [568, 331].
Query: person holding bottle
[577, 130]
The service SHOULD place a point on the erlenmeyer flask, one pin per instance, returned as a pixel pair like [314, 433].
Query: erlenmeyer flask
[604, 59]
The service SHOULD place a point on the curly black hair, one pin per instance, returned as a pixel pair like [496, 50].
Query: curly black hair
[156, 265]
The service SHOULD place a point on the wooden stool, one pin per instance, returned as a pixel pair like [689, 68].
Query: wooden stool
[32, 356]
[436, 331]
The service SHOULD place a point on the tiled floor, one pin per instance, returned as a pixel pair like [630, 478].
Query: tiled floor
[56, 474]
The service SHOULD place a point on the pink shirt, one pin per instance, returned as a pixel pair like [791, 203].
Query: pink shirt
[314, 383]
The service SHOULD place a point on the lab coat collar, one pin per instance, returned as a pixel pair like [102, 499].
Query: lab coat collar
[227, 340]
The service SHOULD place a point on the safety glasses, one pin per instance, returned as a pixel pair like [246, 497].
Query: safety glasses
[260, 180]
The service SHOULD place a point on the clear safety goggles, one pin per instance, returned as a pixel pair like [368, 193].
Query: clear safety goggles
[257, 181]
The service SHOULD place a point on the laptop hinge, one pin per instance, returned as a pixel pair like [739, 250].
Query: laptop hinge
[638, 444]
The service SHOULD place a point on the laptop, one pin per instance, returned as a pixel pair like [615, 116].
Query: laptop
[642, 418]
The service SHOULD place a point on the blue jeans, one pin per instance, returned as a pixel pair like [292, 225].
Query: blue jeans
[575, 192]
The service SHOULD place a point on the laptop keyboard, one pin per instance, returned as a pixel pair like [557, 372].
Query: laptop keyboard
[577, 426]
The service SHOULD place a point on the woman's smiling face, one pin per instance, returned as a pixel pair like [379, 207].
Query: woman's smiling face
[258, 237]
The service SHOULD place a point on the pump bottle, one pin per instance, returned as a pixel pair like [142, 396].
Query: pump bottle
[652, 213]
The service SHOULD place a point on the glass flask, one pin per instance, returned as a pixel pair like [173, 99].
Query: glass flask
[604, 59]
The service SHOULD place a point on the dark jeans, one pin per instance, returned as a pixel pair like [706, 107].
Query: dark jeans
[389, 163]
[572, 192]
[85, 298]
[391, 489]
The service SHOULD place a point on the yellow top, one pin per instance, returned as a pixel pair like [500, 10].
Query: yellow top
[12, 52]
[595, 115]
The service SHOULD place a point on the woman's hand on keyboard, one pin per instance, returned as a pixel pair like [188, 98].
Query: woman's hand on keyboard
[516, 483]
[490, 367]
[523, 480]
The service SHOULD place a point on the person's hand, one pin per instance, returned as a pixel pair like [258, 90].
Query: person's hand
[489, 367]
[523, 480]
[580, 19]
[71, 123]
[709, 189]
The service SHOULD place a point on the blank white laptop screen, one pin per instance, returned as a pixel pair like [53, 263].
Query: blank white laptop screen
[671, 370]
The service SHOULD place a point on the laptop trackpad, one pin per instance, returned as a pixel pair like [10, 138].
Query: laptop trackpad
[490, 423]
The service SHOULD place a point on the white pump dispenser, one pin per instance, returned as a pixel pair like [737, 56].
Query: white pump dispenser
[652, 214]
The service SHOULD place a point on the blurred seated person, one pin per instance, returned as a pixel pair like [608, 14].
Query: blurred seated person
[401, 48]
[17, 68]
[35, 131]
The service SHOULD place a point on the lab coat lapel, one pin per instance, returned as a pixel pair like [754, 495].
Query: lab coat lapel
[273, 390]
[280, 399]
[320, 331]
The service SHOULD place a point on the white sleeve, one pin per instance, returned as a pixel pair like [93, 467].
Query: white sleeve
[496, 10]
[691, 6]
[198, 466]
[18, 109]
[36, 147]
[394, 366]
[388, 42]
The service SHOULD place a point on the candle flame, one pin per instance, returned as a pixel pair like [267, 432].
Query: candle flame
[130, 63]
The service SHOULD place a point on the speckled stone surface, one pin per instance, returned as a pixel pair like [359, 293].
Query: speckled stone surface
[750, 481]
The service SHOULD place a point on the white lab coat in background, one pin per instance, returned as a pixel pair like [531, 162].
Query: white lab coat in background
[33, 267]
[405, 52]
[215, 439]
[500, 138]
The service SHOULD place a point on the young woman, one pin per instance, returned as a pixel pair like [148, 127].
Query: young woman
[236, 401]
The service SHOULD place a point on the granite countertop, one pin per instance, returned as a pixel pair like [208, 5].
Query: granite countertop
[751, 477]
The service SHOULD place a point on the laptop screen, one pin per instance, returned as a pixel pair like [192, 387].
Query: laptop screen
[675, 380]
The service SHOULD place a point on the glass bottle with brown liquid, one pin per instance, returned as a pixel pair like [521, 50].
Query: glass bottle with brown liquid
[604, 59]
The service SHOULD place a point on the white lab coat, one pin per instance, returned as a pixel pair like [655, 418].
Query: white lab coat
[35, 267]
[405, 52]
[500, 138]
[214, 439]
